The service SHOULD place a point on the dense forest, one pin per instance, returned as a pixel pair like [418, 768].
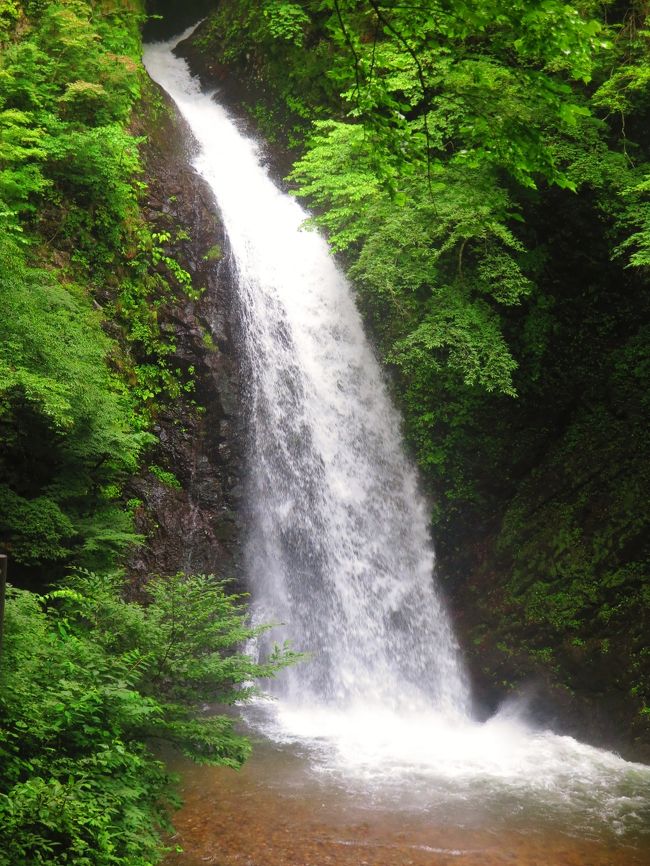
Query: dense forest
[481, 169]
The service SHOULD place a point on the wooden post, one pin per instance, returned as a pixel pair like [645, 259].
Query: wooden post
[3, 590]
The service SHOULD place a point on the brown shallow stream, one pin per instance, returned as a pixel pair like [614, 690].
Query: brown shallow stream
[277, 811]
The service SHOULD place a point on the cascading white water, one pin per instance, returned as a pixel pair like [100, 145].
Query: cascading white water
[339, 549]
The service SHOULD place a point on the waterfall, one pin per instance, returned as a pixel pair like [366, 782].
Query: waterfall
[339, 548]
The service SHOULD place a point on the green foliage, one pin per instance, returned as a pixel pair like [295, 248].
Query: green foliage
[38, 528]
[466, 335]
[286, 21]
[154, 280]
[75, 253]
[416, 255]
[588, 570]
[88, 682]
[442, 120]
[63, 416]
[214, 254]
[9, 15]
[164, 476]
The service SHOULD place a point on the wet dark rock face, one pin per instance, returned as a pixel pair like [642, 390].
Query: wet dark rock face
[194, 527]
